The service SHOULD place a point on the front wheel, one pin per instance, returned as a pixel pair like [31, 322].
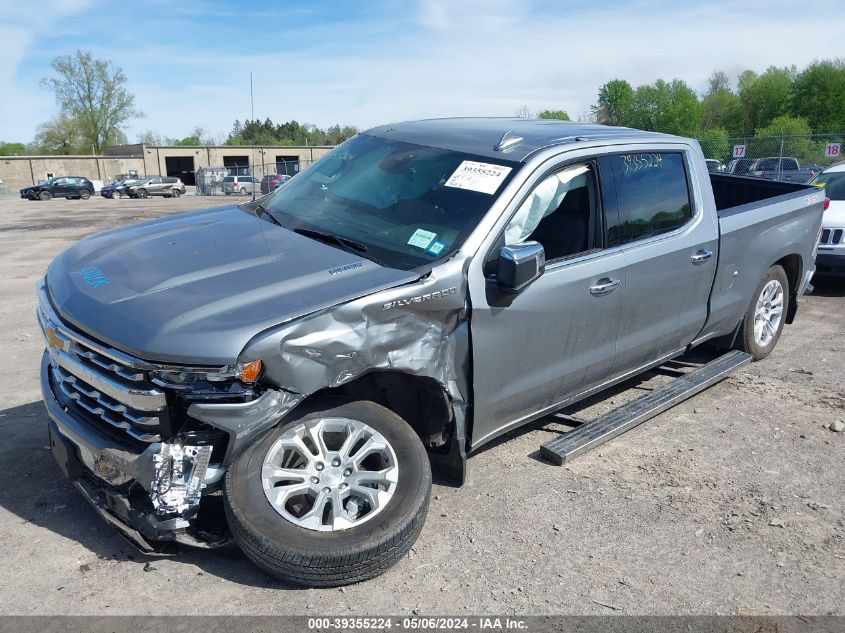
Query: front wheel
[142, 193]
[45, 195]
[336, 496]
[242, 191]
[764, 319]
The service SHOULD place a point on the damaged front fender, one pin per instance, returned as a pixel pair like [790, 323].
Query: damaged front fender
[418, 329]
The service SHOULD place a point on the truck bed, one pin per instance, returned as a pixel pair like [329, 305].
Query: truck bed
[761, 222]
[733, 192]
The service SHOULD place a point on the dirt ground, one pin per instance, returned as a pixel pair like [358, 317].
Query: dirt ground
[731, 503]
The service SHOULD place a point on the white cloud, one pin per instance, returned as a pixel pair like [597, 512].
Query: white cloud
[447, 58]
[23, 104]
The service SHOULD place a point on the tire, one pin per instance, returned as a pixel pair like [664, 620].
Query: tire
[176, 193]
[242, 191]
[45, 195]
[143, 193]
[84, 194]
[312, 558]
[760, 341]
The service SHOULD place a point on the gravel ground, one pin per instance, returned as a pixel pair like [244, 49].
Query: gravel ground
[731, 503]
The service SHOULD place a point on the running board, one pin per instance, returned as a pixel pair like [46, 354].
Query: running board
[591, 434]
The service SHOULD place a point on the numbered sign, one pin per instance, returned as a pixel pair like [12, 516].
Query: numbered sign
[739, 151]
[832, 150]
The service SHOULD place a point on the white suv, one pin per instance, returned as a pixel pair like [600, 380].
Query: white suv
[830, 260]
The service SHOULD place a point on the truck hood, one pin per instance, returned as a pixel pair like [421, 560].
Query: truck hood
[195, 288]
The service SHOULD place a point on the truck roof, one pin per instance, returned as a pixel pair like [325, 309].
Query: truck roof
[484, 135]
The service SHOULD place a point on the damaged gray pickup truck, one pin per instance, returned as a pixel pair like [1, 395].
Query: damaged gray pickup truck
[286, 373]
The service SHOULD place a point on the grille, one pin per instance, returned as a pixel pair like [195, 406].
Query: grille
[107, 392]
[138, 424]
[831, 236]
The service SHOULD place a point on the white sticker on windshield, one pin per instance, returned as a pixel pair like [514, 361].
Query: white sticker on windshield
[421, 238]
[481, 177]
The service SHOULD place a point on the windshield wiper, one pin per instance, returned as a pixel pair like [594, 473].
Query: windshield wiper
[331, 238]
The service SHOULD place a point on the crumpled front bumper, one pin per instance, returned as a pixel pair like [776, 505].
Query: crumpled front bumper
[114, 477]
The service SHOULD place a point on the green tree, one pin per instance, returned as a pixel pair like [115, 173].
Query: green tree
[93, 93]
[819, 95]
[718, 82]
[199, 136]
[289, 133]
[562, 115]
[715, 144]
[12, 149]
[60, 135]
[722, 108]
[794, 132]
[614, 103]
[765, 97]
[671, 107]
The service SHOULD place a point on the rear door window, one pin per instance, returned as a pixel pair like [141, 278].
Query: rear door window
[652, 193]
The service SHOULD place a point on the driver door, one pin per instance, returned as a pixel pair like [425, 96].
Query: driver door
[557, 337]
[60, 187]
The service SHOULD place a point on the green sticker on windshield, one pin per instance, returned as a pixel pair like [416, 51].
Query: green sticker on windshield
[422, 238]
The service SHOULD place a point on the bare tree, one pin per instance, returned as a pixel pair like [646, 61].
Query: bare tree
[523, 112]
[93, 93]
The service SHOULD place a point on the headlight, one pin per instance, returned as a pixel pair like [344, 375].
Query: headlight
[245, 372]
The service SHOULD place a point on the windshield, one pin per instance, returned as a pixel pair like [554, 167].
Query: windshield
[833, 183]
[407, 205]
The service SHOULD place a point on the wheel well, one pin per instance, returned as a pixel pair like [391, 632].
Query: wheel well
[419, 400]
[792, 265]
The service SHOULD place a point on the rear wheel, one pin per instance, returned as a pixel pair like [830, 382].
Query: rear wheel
[84, 194]
[242, 191]
[336, 496]
[45, 195]
[176, 193]
[764, 319]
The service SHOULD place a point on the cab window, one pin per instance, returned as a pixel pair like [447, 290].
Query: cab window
[561, 213]
[652, 193]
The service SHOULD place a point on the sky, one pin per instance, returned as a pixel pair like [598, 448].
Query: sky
[367, 63]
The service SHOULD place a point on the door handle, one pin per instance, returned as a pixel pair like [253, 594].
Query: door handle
[701, 256]
[605, 286]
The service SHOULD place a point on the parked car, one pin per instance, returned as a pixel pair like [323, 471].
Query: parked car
[156, 186]
[739, 166]
[423, 289]
[63, 187]
[117, 189]
[790, 170]
[714, 165]
[271, 182]
[241, 185]
[831, 257]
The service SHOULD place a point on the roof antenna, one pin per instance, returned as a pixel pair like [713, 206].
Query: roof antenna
[508, 141]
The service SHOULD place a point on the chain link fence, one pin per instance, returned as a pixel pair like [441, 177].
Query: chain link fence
[245, 179]
[792, 158]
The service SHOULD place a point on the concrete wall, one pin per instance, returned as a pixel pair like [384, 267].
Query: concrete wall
[22, 171]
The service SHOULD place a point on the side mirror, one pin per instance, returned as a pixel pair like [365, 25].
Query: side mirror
[519, 265]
